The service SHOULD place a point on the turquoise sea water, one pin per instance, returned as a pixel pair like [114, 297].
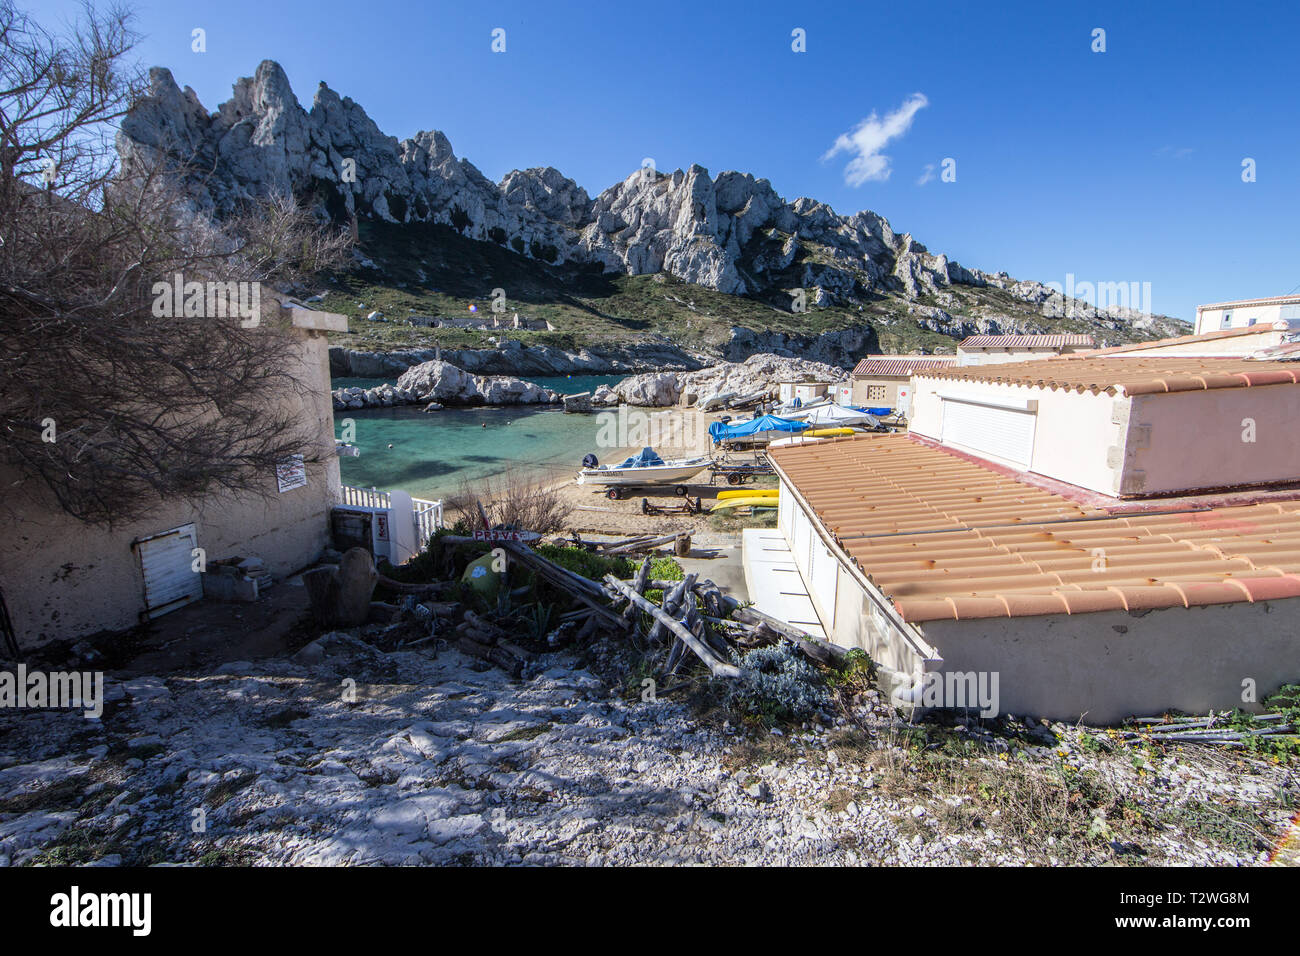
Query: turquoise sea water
[434, 452]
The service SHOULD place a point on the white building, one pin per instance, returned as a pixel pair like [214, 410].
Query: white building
[1247, 312]
[1106, 535]
[1123, 425]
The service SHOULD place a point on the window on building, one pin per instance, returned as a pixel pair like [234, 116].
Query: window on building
[1290, 314]
[876, 393]
[1226, 321]
[1251, 322]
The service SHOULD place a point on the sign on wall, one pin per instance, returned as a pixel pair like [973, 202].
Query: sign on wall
[291, 473]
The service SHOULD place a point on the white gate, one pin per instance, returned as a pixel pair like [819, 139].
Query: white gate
[170, 581]
[388, 538]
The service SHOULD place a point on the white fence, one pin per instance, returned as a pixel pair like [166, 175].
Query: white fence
[426, 514]
[428, 519]
[365, 497]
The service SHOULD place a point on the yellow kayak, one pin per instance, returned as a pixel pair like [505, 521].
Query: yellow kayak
[750, 493]
[751, 502]
[828, 432]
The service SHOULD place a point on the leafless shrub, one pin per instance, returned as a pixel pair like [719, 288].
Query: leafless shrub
[144, 406]
[511, 501]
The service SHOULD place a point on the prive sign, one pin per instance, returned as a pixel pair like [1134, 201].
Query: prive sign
[481, 535]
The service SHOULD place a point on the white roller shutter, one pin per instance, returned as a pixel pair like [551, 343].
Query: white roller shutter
[1006, 433]
[170, 581]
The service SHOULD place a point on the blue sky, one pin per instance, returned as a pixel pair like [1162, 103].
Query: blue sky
[1122, 166]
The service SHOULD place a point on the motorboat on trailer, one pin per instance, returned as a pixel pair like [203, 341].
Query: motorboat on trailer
[644, 468]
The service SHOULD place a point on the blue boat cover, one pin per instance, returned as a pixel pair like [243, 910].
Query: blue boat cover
[644, 459]
[720, 432]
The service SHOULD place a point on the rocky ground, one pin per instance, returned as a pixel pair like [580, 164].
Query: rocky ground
[342, 753]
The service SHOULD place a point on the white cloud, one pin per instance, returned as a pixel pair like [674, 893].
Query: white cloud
[927, 174]
[868, 138]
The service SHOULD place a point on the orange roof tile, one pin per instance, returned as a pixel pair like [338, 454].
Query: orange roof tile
[1128, 374]
[946, 539]
[1044, 341]
[900, 364]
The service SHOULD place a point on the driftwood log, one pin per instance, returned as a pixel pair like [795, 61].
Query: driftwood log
[674, 602]
[637, 544]
[639, 586]
[587, 591]
[716, 667]
[823, 652]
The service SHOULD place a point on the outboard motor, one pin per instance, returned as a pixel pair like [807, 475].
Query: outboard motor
[590, 462]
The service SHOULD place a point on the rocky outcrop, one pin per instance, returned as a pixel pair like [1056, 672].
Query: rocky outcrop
[512, 358]
[843, 347]
[381, 396]
[653, 388]
[757, 375]
[731, 232]
[439, 383]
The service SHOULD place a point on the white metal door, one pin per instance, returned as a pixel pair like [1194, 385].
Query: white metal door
[170, 581]
[1005, 433]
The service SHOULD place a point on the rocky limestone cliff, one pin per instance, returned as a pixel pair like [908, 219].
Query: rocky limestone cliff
[732, 232]
[512, 358]
[758, 374]
[442, 383]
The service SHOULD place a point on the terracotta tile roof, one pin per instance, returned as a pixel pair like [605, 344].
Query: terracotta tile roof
[1259, 329]
[1129, 374]
[947, 540]
[900, 364]
[1025, 341]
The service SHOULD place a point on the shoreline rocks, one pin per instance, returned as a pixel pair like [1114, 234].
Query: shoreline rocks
[759, 375]
[439, 384]
[514, 358]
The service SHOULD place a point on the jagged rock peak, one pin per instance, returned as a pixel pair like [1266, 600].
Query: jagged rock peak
[732, 233]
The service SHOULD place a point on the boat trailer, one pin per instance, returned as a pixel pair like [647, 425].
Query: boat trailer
[738, 474]
[692, 506]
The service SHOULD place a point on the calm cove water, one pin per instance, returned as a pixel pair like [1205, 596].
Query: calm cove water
[434, 452]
